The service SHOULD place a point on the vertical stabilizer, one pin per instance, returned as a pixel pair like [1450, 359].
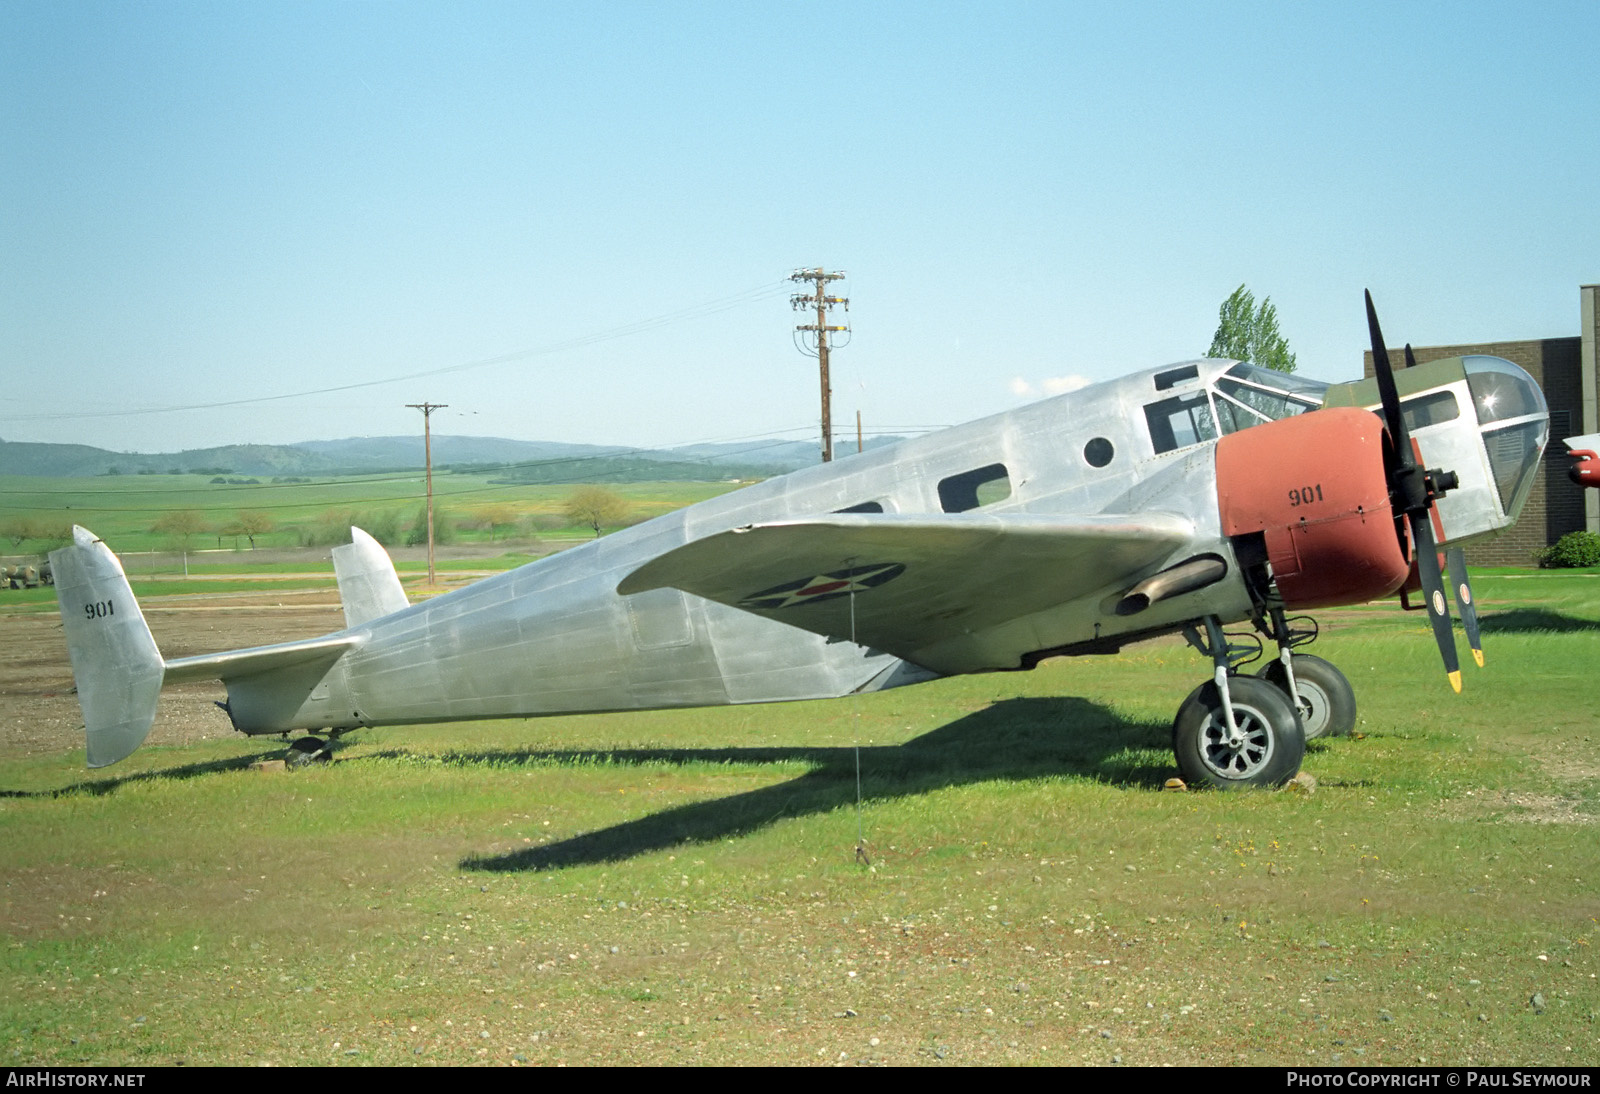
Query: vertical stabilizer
[368, 586]
[114, 659]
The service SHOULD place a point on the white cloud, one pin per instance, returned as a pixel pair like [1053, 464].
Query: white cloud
[1054, 385]
[1060, 385]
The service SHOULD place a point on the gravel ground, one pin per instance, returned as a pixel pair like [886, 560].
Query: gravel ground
[38, 707]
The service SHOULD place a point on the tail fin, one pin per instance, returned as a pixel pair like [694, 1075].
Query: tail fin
[114, 659]
[368, 586]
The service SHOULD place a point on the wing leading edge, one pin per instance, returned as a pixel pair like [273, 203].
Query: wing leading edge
[904, 584]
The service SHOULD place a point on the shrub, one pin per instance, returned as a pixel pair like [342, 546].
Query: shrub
[1572, 550]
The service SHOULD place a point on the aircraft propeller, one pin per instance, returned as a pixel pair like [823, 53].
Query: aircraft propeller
[1413, 490]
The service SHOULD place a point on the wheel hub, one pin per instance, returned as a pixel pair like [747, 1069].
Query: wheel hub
[1237, 754]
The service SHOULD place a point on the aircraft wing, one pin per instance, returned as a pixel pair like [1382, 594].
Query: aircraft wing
[916, 579]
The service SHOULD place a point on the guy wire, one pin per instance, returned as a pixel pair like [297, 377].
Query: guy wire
[855, 715]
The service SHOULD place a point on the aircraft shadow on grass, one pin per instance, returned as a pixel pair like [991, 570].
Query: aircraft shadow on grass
[101, 787]
[1534, 620]
[1012, 739]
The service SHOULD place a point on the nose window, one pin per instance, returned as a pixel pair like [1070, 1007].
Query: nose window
[1500, 394]
[1514, 456]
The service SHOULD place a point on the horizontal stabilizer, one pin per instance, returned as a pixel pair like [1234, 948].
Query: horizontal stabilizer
[234, 664]
[368, 586]
[901, 583]
[115, 662]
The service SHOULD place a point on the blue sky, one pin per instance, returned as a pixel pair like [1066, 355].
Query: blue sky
[594, 206]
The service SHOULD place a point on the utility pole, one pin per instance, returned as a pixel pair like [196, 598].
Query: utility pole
[817, 344]
[427, 452]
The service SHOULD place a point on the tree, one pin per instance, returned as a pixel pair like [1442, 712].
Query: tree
[496, 517]
[19, 530]
[1248, 333]
[253, 523]
[595, 506]
[444, 530]
[182, 525]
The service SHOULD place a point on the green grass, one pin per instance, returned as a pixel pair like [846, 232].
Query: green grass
[122, 509]
[683, 886]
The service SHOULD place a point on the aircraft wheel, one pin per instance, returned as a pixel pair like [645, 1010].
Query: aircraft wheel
[1269, 746]
[308, 750]
[1327, 702]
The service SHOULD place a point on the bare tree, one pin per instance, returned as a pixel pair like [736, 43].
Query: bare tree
[253, 523]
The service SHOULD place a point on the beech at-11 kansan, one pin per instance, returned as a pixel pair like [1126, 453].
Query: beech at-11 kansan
[1176, 500]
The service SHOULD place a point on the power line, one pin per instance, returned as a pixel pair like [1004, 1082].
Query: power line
[697, 311]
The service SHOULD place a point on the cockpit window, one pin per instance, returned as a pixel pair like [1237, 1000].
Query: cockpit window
[1180, 422]
[1431, 409]
[1249, 395]
[1240, 405]
[1498, 393]
[1302, 388]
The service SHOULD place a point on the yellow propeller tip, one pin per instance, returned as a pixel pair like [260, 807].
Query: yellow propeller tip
[1477, 655]
[1455, 681]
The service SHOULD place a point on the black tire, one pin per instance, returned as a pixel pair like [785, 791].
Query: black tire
[307, 750]
[1327, 701]
[1273, 742]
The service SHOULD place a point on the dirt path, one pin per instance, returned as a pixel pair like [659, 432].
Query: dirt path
[39, 711]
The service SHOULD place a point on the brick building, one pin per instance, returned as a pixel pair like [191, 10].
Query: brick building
[1566, 369]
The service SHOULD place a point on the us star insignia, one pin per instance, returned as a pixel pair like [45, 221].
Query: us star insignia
[829, 586]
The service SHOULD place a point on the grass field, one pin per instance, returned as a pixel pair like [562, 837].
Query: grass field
[686, 887]
[123, 510]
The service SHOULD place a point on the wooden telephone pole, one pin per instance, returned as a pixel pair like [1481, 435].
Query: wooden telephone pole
[427, 452]
[814, 341]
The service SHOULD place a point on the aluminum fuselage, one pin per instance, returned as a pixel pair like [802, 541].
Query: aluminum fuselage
[554, 636]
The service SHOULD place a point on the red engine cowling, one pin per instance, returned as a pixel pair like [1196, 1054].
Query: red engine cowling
[1314, 486]
[1585, 471]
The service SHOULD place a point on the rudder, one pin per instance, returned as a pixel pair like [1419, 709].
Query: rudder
[115, 662]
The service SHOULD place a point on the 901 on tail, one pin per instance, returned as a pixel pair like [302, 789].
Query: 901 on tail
[1176, 500]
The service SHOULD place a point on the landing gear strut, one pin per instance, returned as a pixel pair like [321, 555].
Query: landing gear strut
[1320, 692]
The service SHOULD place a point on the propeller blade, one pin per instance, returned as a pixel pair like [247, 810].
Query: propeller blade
[1388, 395]
[1457, 559]
[1433, 592]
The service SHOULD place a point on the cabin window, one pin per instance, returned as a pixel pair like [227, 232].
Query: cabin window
[1180, 422]
[975, 489]
[864, 507]
[1098, 452]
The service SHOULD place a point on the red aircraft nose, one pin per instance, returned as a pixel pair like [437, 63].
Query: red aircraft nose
[1586, 470]
[1314, 487]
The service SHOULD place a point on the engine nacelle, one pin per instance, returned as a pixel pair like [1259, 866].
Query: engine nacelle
[1314, 486]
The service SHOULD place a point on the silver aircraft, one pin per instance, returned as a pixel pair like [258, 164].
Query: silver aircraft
[1175, 500]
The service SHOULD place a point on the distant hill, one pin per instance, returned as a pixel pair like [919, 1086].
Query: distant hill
[522, 461]
[82, 461]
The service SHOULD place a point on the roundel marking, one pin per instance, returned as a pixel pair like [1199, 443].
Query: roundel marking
[820, 587]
